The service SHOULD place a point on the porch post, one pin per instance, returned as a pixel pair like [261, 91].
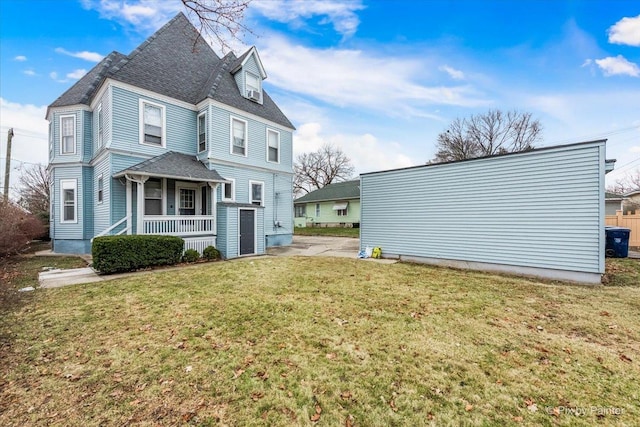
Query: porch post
[140, 210]
[214, 202]
[129, 204]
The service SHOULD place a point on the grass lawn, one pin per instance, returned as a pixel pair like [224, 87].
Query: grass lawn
[326, 341]
[327, 231]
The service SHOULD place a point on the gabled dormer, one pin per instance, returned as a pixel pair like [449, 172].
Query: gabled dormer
[249, 74]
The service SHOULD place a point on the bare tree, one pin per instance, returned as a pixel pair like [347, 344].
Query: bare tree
[626, 184]
[219, 19]
[34, 191]
[320, 168]
[494, 132]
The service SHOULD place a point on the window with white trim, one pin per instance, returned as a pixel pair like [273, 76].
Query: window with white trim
[300, 211]
[229, 190]
[254, 86]
[342, 212]
[317, 209]
[202, 132]
[238, 137]
[153, 196]
[100, 125]
[67, 134]
[68, 201]
[100, 188]
[273, 146]
[256, 193]
[152, 123]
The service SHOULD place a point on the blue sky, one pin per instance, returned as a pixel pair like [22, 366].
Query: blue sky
[380, 79]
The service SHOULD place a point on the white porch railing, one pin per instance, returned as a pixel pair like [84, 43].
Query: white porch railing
[199, 243]
[110, 229]
[188, 225]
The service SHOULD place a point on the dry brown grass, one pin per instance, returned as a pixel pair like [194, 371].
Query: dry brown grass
[285, 341]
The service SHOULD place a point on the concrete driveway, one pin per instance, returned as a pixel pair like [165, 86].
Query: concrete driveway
[346, 247]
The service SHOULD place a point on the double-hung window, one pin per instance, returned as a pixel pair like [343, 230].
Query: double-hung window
[229, 190]
[68, 134]
[100, 188]
[68, 200]
[317, 209]
[273, 146]
[238, 137]
[256, 193]
[202, 132]
[254, 91]
[152, 124]
[300, 211]
[153, 196]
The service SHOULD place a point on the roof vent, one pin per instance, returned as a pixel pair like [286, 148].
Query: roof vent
[254, 95]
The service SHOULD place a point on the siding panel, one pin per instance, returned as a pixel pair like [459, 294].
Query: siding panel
[540, 209]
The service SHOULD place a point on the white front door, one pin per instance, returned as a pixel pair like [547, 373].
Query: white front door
[187, 199]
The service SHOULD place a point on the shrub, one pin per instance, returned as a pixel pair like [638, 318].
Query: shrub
[113, 254]
[210, 252]
[191, 255]
[17, 228]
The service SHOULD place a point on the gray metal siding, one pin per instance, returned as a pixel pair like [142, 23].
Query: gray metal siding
[539, 209]
[181, 129]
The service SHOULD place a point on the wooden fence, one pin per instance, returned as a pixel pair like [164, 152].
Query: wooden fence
[628, 220]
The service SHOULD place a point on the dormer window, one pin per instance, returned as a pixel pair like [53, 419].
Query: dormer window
[254, 87]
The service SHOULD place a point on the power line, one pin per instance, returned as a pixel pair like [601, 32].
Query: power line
[598, 136]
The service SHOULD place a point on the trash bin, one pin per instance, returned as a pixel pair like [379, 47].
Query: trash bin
[617, 239]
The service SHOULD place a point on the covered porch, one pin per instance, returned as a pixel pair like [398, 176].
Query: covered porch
[171, 194]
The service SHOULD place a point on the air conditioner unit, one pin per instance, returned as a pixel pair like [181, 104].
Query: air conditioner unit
[253, 95]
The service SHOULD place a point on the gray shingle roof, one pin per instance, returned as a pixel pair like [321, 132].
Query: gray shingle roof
[176, 62]
[85, 88]
[338, 191]
[176, 166]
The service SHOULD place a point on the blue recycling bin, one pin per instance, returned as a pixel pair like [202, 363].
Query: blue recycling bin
[617, 242]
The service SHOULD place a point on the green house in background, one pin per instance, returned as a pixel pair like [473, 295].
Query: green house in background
[336, 205]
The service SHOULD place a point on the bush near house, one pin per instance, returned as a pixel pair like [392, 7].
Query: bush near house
[113, 254]
[210, 253]
[17, 228]
[191, 255]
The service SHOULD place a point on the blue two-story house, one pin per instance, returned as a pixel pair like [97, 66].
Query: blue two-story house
[171, 139]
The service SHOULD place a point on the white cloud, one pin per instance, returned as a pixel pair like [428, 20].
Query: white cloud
[635, 149]
[30, 135]
[618, 65]
[366, 152]
[453, 73]
[144, 15]
[20, 58]
[625, 31]
[342, 14]
[77, 74]
[87, 56]
[354, 78]
[54, 76]
[30, 72]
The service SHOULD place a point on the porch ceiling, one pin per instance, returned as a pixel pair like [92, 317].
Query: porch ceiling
[175, 166]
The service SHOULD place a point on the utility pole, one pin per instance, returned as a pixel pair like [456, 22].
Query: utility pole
[7, 167]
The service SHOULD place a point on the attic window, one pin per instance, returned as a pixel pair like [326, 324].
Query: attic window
[254, 90]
